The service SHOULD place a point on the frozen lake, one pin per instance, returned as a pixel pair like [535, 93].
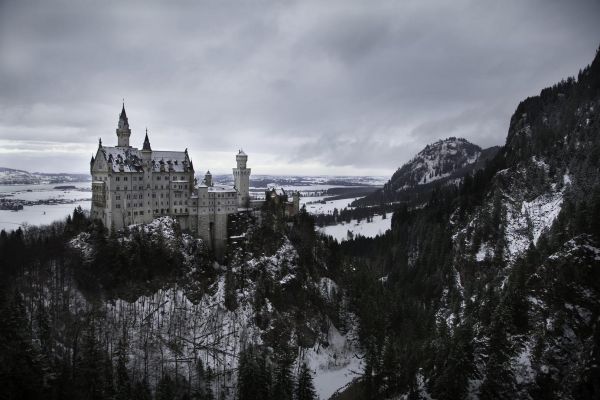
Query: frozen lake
[43, 214]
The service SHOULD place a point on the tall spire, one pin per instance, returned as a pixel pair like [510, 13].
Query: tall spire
[123, 131]
[146, 142]
[123, 121]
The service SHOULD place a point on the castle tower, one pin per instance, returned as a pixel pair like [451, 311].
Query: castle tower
[241, 179]
[147, 167]
[146, 149]
[123, 131]
[208, 179]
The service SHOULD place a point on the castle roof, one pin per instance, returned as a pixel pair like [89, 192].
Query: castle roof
[130, 158]
[221, 188]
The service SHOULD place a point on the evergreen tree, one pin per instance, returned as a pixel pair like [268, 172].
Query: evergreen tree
[165, 390]
[305, 389]
[499, 380]
[231, 302]
[283, 387]
[141, 391]
[123, 387]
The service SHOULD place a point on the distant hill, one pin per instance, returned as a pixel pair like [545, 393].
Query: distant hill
[443, 162]
[9, 176]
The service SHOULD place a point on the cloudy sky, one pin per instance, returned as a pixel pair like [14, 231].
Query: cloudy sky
[348, 87]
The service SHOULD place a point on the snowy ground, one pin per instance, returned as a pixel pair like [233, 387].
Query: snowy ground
[314, 205]
[364, 228]
[43, 214]
[335, 366]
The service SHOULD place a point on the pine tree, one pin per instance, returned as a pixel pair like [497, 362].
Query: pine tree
[283, 389]
[20, 372]
[141, 391]
[305, 389]
[123, 388]
[231, 302]
[499, 380]
[165, 390]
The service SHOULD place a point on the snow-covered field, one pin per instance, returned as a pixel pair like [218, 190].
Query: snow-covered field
[42, 214]
[314, 205]
[363, 228]
[38, 214]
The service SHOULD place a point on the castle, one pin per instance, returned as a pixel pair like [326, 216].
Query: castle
[132, 186]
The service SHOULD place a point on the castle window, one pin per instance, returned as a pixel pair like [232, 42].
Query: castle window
[118, 187]
[118, 197]
[129, 213]
[117, 179]
[155, 186]
[118, 206]
[124, 178]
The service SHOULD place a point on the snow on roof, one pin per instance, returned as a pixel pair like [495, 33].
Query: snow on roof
[221, 188]
[130, 158]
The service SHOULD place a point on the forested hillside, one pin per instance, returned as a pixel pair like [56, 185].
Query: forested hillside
[149, 313]
[492, 290]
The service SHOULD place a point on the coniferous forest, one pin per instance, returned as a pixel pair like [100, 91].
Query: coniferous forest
[489, 289]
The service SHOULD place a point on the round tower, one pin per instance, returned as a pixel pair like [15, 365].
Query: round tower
[241, 178]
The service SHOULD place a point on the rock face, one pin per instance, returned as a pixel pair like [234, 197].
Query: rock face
[443, 162]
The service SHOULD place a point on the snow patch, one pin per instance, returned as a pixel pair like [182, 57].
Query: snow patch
[378, 226]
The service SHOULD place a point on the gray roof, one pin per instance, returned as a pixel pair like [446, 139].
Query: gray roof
[131, 159]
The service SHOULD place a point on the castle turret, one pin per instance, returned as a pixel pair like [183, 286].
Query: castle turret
[208, 179]
[146, 146]
[241, 178]
[146, 150]
[123, 131]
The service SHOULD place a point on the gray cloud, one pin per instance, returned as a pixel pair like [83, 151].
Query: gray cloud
[304, 87]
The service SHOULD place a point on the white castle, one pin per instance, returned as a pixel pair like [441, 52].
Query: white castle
[132, 186]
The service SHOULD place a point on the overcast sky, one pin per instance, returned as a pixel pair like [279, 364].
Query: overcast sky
[335, 88]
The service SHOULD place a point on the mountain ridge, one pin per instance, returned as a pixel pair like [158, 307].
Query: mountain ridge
[442, 162]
